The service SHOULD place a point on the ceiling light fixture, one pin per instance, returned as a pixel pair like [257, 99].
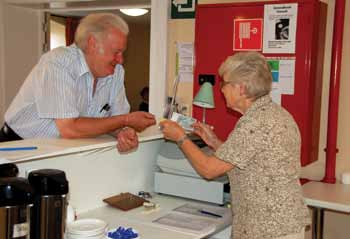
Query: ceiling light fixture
[134, 11]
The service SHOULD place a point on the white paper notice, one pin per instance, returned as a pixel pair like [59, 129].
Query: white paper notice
[287, 72]
[276, 94]
[280, 24]
[185, 61]
[283, 74]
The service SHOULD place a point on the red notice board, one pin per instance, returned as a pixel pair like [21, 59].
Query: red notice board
[215, 35]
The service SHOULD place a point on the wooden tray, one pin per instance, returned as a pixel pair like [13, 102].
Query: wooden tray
[125, 201]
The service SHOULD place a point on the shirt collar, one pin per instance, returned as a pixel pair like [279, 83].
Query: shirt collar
[84, 68]
[260, 102]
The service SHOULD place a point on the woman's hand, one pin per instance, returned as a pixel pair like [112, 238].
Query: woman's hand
[172, 130]
[207, 134]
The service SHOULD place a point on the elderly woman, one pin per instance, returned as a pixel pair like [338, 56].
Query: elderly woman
[261, 155]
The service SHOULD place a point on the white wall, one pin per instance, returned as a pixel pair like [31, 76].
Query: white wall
[95, 176]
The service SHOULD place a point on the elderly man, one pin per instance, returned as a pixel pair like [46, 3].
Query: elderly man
[78, 91]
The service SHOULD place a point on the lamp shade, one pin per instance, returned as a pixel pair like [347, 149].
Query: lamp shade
[205, 97]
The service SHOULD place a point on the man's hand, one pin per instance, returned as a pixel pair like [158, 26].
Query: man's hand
[127, 140]
[139, 120]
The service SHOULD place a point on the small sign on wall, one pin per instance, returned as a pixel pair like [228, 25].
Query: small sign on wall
[247, 34]
[183, 9]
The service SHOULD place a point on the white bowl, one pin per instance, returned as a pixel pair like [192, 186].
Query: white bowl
[86, 228]
[72, 236]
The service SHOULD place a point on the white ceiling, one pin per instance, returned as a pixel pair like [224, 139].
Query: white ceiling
[84, 7]
[46, 3]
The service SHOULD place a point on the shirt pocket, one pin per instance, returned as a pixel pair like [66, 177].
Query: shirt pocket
[99, 109]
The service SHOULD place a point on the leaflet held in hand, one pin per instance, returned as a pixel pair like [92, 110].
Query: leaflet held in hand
[184, 121]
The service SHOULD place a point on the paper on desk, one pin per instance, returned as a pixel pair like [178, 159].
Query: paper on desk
[2, 160]
[188, 218]
[187, 223]
[195, 209]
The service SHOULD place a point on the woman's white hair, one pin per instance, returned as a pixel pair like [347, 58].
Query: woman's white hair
[97, 24]
[250, 69]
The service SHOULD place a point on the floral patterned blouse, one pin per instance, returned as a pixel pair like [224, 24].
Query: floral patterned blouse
[266, 195]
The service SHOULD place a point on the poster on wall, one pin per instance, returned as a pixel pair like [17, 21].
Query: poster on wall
[283, 76]
[280, 24]
[247, 34]
[184, 61]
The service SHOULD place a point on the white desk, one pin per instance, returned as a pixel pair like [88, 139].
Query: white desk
[142, 220]
[320, 196]
[51, 147]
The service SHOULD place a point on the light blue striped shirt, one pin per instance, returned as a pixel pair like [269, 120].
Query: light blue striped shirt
[60, 86]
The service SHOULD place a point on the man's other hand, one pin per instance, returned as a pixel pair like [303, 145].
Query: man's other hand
[127, 140]
[139, 120]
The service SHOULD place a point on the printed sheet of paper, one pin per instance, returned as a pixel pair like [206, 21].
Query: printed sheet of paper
[280, 24]
[190, 218]
[195, 209]
[184, 59]
[283, 74]
[187, 222]
[276, 95]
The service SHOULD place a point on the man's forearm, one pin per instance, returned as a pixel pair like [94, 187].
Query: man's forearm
[89, 127]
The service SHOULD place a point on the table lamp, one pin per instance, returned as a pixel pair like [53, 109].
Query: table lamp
[205, 98]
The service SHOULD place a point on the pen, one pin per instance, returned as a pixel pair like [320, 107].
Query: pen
[106, 107]
[209, 213]
[18, 148]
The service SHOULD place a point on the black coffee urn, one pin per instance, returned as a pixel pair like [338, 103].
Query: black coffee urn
[16, 201]
[50, 203]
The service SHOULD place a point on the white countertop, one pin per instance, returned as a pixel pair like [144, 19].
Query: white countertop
[50, 147]
[328, 196]
[141, 219]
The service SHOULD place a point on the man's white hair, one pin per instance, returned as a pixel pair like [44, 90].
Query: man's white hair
[97, 24]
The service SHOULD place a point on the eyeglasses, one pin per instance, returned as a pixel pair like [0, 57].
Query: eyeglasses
[224, 83]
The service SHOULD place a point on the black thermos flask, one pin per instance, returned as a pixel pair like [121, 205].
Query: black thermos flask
[50, 203]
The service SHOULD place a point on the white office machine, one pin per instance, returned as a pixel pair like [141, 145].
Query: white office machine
[178, 178]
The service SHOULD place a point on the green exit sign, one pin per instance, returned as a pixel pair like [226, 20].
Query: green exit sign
[183, 8]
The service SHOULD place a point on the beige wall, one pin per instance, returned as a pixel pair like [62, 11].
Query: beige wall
[21, 47]
[137, 62]
[179, 31]
[344, 100]
[2, 73]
